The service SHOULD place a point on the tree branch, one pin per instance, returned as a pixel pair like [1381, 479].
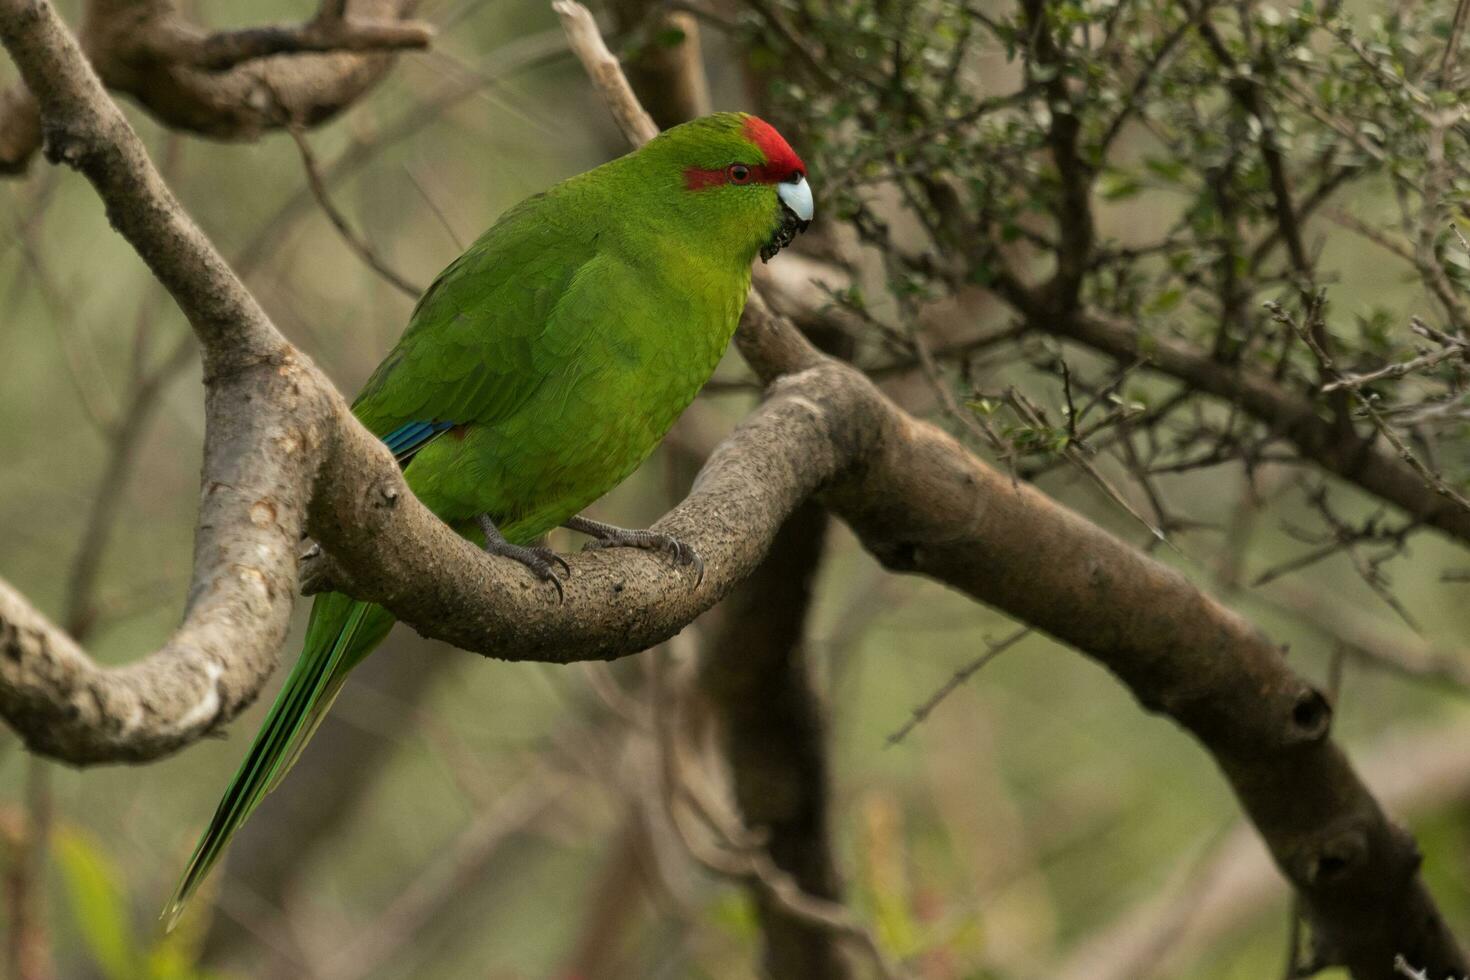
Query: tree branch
[226, 49]
[1417, 770]
[1357, 459]
[587, 44]
[755, 673]
[754, 670]
[230, 85]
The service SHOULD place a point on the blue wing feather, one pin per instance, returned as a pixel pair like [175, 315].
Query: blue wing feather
[409, 438]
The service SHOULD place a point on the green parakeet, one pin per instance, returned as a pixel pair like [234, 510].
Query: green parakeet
[538, 371]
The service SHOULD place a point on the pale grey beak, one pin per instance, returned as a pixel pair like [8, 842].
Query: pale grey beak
[796, 214]
[797, 195]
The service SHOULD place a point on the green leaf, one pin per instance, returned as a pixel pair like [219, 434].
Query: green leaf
[98, 904]
[1165, 301]
[982, 406]
[1170, 169]
[1114, 185]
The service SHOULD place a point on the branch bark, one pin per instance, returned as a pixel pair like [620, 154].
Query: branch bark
[283, 451]
[755, 673]
[231, 85]
[226, 49]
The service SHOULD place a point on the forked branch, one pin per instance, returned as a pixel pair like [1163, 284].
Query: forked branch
[227, 84]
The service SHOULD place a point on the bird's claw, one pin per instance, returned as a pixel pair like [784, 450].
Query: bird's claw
[681, 553]
[549, 555]
[540, 562]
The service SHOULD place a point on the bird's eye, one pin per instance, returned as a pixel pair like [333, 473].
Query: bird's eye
[739, 173]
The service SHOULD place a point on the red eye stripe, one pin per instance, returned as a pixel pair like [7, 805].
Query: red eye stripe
[699, 178]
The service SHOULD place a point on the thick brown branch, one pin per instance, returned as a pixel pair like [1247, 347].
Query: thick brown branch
[388, 548]
[230, 85]
[1180, 653]
[20, 129]
[1074, 204]
[85, 130]
[24, 842]
[754, 665]
[669, 77]
[921, 503]
[190, 47]
[67, 706]
[265, 418]
[1416, 771]
[756, 675]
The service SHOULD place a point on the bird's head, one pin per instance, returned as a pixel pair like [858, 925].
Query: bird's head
[732, 172]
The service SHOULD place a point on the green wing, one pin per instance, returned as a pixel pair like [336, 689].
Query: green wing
[482, 340]
[471, 350]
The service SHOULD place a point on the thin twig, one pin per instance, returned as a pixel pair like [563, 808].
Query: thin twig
[1431, 478]
[587, 44]
[418, 185]
[1452, 44]
[960, 676]
[359, 245]
[1401, 966]
[1362, 638]
[1370, 232]
[443, 881]
[1029, 414]
[1392, 371]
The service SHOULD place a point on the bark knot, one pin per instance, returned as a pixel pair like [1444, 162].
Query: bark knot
[1311, 717]
[1334, 857]
[63, 144]
[263, 513]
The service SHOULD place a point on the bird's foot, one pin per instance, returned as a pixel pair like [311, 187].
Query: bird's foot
[612, 536]
[541, 561]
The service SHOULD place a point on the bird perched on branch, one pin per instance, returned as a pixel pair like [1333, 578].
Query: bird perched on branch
[538, 371]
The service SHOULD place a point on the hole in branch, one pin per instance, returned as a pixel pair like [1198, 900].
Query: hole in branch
[1311, 717]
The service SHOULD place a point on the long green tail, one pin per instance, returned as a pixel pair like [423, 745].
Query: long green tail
[340, 633]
